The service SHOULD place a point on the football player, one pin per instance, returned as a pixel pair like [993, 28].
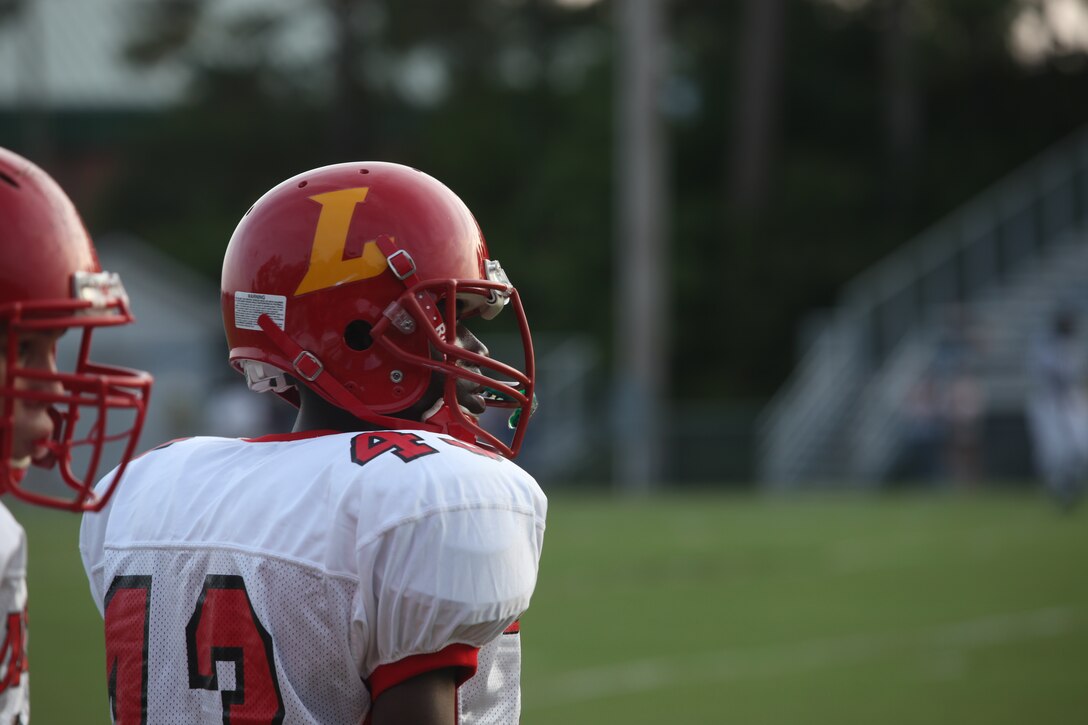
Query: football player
[50, 283]
[371, 565]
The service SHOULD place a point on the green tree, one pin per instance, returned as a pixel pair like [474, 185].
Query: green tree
[887, 120]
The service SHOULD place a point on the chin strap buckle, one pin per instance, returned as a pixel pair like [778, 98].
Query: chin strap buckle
[308, 366]
[400, 261]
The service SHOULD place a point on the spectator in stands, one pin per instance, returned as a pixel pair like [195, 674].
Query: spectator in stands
[961, 398]
[1057, 408]
[924, 433]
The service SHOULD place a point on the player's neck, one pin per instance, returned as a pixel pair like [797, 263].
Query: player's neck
[328, 418]
[316, 413]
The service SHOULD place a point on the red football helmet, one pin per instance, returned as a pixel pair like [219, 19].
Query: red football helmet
[351, 279]
[50, 281]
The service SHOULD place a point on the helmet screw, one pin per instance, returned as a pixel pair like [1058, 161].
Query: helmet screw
[396, 376]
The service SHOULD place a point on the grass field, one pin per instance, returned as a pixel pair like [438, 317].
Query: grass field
[719, 609]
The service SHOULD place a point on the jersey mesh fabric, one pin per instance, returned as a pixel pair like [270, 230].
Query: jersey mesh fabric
[351, 558]
[319, 690]
[493, 696]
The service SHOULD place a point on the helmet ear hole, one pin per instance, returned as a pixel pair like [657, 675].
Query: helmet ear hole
[357, 335]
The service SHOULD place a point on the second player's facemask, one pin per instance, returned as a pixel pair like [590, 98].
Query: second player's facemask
[90, 404]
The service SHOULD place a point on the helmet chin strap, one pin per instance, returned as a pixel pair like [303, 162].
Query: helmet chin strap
[439, 414]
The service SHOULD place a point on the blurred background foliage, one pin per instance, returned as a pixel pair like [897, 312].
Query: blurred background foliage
[873, 119]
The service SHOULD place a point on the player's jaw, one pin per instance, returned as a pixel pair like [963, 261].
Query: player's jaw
[470, 393]
[30, 428]
[33, 428]
[31, 425]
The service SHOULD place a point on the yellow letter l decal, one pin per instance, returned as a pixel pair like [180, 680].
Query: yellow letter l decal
[328, 267]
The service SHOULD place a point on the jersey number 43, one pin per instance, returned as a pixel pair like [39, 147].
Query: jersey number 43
[222, 628]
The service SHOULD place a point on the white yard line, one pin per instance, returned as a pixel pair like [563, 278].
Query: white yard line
[658, 673]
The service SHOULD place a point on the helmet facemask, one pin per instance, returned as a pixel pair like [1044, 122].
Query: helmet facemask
[80, 399]
[436, 309]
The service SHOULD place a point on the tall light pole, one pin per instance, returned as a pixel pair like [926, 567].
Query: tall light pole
[642, 270]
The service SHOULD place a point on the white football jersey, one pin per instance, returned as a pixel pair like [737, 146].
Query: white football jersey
[14, 677]
[292, 579]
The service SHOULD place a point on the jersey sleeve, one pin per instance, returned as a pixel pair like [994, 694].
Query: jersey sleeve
[92, 533]
[443, 586]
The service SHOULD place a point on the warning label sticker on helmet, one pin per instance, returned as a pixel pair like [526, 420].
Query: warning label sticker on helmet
[248, 306]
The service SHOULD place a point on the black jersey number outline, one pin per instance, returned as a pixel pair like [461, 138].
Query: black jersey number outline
[127, 607]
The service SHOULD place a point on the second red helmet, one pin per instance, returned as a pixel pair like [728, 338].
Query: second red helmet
[50, 282]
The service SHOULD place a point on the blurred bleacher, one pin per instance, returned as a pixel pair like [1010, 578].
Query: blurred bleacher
[977, 286]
